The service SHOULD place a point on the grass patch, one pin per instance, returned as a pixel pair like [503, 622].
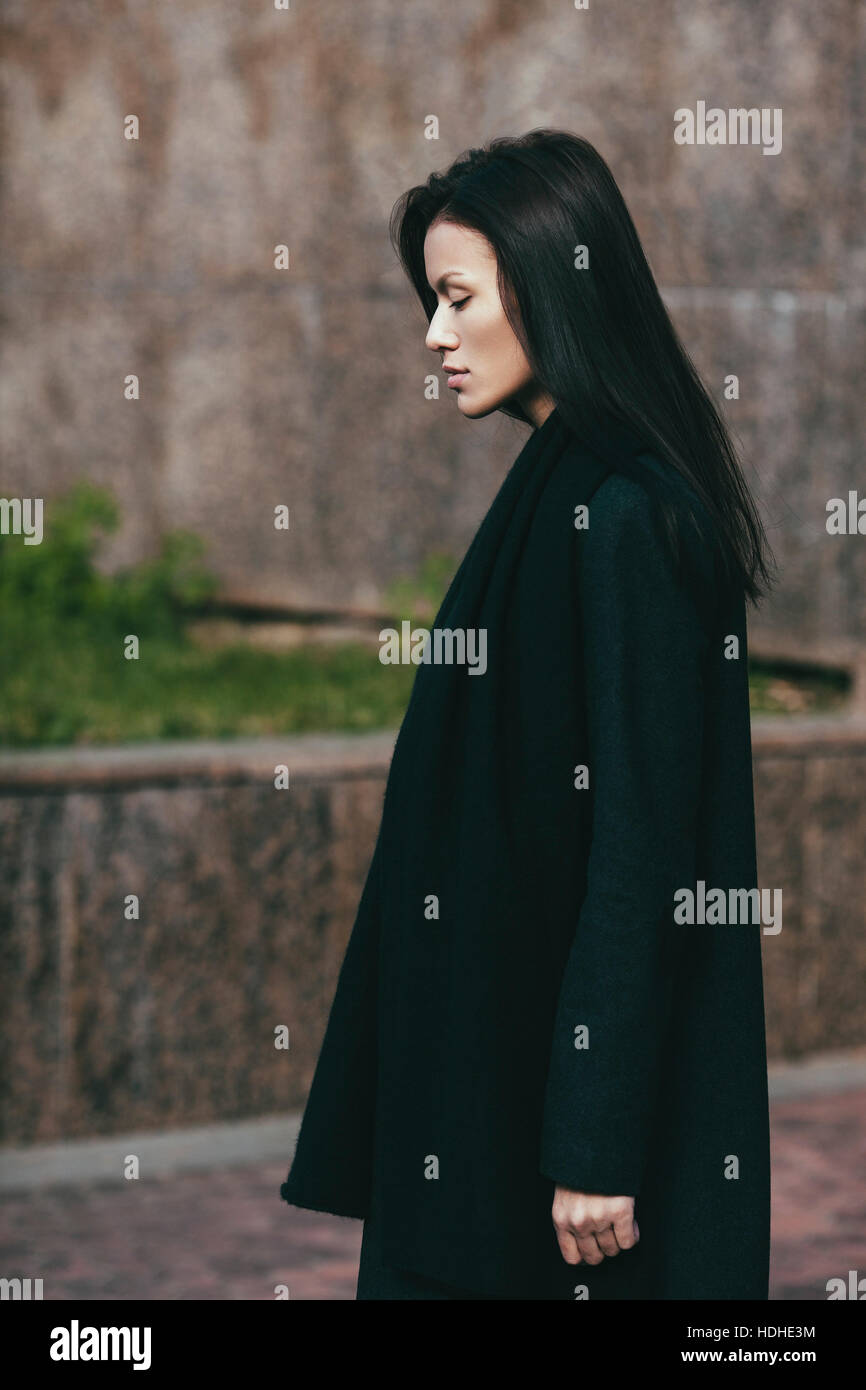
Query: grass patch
[776, 688]
[66, 626]
[87, 693]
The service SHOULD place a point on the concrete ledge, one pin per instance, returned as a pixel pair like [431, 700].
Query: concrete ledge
[824, 1073]
[173, 1151]
[800, 736]
[316, 758]
[309, 757]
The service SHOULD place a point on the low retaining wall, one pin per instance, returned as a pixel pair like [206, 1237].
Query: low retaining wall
[166, 909]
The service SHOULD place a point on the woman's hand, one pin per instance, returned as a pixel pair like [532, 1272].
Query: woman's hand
[588, 1226]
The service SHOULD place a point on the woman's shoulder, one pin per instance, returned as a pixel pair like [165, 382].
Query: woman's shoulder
[644, 513]
[639, 482]
[632, 494]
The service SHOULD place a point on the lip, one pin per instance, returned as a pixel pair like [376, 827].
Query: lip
[456, 375]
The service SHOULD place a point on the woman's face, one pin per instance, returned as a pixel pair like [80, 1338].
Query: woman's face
[470, 330]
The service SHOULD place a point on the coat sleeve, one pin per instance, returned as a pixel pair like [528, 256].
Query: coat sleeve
[644, 642]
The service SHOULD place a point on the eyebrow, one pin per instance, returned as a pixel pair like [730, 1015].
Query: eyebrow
[440, 283]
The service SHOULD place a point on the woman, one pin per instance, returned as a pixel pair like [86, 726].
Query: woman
[538, 1080]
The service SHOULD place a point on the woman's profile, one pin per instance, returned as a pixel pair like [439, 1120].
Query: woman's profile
[544, 1070]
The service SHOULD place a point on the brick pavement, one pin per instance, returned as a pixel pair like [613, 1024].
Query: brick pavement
[225, 1233]
[818, 1153]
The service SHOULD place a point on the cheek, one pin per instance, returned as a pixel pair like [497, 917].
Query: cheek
[507, 363]
[503, 346]
[492, 341]
[492, 353]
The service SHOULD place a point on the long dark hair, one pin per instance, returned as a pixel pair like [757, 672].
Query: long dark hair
[600, 343]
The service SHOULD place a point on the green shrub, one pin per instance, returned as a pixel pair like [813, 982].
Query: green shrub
[54, 590]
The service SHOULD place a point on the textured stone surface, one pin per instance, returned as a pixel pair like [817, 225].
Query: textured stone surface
[247, 896]
[306, 387]
[811, 818]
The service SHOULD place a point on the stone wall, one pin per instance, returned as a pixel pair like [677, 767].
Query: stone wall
[246, 898]
[305, 387]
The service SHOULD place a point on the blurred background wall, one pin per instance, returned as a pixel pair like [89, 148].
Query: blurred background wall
[305, 387]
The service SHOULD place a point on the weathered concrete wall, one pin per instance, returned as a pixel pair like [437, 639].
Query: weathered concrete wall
[247, 895]
[306, 386]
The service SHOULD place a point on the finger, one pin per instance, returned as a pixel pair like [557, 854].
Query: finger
[568, 1247]
[626, 1232]
[607, 1241]
[588, 1247]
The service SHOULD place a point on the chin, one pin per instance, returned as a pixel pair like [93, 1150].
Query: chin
[473, 411]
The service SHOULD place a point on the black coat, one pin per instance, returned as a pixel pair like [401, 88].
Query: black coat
[449, 1076]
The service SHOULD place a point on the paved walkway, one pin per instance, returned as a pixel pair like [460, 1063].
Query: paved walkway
[225, 1233]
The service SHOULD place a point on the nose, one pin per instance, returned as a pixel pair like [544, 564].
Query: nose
[439, 336]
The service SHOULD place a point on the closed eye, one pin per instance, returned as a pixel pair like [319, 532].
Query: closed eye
[458, 303]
